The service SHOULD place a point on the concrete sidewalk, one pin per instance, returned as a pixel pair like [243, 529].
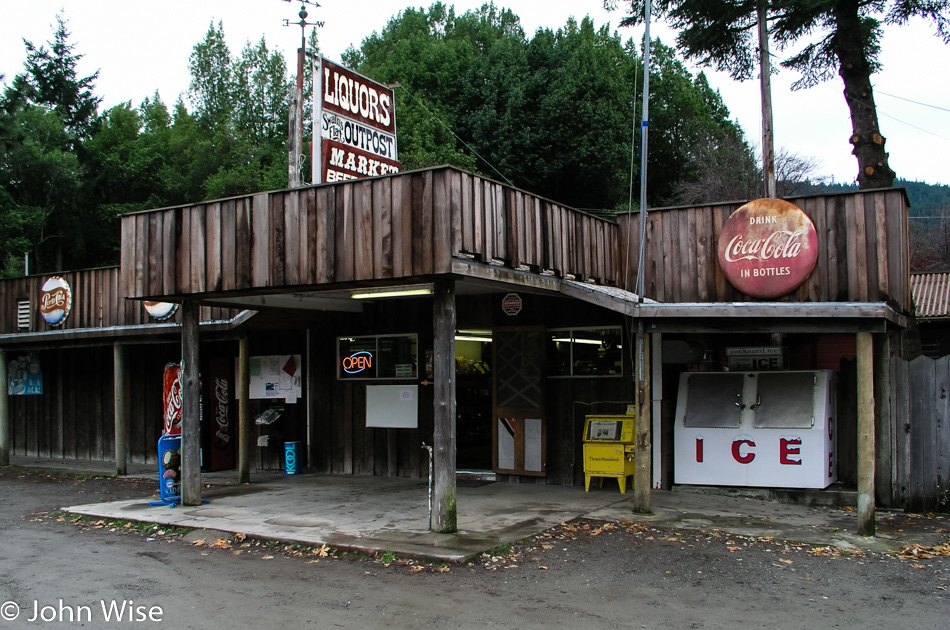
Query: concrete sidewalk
[379, 514]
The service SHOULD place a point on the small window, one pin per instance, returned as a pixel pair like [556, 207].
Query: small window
[23, 314]
[585, 352]
[378, 357]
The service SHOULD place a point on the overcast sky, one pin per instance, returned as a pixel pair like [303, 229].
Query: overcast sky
[139, 48]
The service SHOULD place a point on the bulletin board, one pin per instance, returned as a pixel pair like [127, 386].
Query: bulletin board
[392, 406]
[276, 377]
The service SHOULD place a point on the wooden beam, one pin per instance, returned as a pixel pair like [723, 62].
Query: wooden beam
[4, 413]
[121, 414]
[643, 454]
[445, 510]
[245, 444]
[190, 406]
[865, 361]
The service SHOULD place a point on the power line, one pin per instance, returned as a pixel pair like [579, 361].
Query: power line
[943, 109]
[449, 129]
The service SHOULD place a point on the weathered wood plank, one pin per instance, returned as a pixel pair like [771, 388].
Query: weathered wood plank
[213, 246]
[293, 225]
[401, 225]
[478, 218]
[197, 262]
[260, 240]
[155, 254]
[383, 228]
[500, 221]
[346, 228]
[454, 183]
[306, 204]
[363, 239]
[244, 243]
[467, 230]
[427, 252]
[441, 224]
[857, 269]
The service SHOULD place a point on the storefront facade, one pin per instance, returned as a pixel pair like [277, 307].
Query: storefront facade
[438, 308]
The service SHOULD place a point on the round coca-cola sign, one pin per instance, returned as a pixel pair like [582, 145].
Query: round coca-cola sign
[768, 248]
[56, 299]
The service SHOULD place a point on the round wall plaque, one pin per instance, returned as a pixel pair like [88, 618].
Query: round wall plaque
[768, 248]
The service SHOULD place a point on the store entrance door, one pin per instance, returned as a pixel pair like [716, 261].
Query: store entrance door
[518, 431]
[473, 396]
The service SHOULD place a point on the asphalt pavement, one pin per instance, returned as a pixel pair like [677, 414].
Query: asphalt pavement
[380, 514]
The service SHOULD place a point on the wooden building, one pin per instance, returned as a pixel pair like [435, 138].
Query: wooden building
[492, 347]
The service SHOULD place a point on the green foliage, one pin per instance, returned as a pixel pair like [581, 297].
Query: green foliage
[553, 114]
[839, 39]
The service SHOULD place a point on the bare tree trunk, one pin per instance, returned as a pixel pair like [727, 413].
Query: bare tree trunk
[854, 69]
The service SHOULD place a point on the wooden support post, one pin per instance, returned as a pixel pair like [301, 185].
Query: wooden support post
[190, 406]
[121, 412]
[643, 449]
[5, 423]
[445, 510]
[244, 411]
[865, 361]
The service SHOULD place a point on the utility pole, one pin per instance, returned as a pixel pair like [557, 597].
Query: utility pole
[295, 128]
[765, 74]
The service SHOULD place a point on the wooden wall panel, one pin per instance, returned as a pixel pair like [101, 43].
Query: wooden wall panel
[862, 240]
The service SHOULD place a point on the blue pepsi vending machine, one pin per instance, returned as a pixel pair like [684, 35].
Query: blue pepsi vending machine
[169, 470]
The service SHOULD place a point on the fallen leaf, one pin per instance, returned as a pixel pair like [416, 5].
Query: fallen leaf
[444, 569]
[199, 542]
[267, 557]
[221, 543]
[783, 561]
[416, 568]
[734, 548]
[313, 561]
[541, 567]
[240, 537]
[919, 566]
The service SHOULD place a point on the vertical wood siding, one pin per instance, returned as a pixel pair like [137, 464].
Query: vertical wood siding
[863, 251]
[405, 225]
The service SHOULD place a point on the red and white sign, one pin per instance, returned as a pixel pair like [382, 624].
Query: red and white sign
[341, 162]
[56, 300]
[511, 304]
[171, 399]
[357, 122]
[768, 248]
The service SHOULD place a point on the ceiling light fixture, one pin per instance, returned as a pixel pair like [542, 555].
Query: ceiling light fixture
[391, 292]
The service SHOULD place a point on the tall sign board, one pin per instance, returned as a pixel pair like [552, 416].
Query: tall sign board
[356, 118]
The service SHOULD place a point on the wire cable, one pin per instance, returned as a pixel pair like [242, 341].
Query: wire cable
[449, 129]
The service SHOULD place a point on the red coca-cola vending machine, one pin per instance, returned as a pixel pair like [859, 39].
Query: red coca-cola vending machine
[217, 417]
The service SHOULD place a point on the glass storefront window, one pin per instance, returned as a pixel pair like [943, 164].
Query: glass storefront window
[376, 357]
[585, 352]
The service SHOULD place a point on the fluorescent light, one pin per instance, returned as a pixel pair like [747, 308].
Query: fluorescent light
[471, 338]
[391, 292]
[592, 342]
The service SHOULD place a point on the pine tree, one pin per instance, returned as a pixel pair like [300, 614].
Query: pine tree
[844, 39]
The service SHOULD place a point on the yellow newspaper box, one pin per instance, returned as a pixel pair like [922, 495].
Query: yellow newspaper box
[608, 449]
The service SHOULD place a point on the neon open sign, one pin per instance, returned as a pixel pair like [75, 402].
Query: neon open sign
[358, 362]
